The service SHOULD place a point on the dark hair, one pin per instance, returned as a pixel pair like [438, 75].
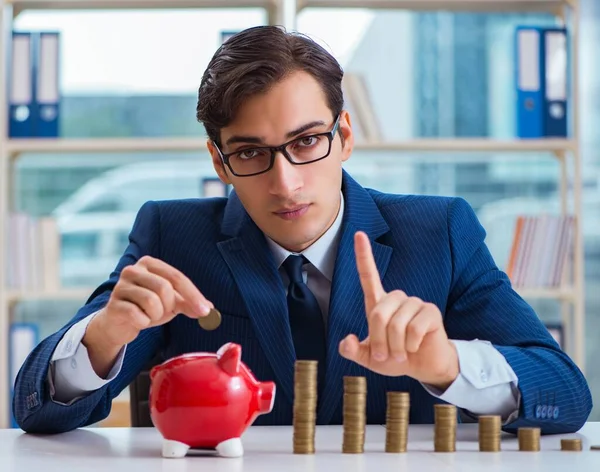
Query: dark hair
[252, 61]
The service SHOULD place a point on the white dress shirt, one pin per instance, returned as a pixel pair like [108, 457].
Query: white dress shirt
[486, 383]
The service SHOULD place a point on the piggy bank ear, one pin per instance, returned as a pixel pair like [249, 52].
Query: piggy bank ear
[230, 356]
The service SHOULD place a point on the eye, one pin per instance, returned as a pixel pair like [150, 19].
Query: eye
[248, 154]
[308, 141]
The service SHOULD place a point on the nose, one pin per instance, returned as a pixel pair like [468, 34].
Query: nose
[285, 177]
[266, 397]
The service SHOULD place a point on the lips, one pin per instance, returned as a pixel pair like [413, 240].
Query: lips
[292, 213]
[291, 209]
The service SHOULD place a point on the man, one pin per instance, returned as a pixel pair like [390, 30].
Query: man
[399, 289]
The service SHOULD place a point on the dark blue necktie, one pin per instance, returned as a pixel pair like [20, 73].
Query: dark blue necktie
[306, 319]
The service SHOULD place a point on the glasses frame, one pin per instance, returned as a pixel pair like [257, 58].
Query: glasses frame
[282, 149]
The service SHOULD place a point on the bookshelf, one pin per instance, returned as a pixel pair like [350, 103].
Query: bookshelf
[570, 294]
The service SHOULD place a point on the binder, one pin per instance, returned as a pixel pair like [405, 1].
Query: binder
[34, 94]
[47, 94]
[213, 187]
[20, 93]
[556, 67]
[541, 82]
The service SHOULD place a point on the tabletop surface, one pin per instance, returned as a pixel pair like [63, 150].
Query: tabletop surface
[270, 449]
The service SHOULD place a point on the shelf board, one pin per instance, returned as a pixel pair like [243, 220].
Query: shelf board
[62, 145]
[551, 6]
[21, 5]
[15, 147]
[471, 145]
[74, 294]
[557, 293]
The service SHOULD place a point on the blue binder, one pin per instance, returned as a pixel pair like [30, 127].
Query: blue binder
[21, 115]
[46, 80]
[557, 82]
[542, 82]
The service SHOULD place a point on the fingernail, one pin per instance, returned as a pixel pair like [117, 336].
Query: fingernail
[204, 309]
[401, 358]
[378, 356]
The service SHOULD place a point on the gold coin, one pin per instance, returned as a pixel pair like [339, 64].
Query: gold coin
[211, 321]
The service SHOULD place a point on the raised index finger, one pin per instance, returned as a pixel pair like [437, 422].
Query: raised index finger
[367, 271]
[190, 294]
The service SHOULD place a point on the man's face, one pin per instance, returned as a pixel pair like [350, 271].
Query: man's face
[292, 204]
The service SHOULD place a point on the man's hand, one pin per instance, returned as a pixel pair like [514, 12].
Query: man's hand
[406, 335]
[149, 293]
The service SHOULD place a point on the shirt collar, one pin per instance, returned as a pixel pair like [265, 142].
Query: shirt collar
[321, 253]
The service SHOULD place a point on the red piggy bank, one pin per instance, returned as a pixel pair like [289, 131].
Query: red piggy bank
[206, 400]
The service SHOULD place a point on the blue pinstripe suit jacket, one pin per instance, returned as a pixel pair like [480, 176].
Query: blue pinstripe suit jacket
[430, 247]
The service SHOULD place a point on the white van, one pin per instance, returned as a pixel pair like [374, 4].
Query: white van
[95, 221]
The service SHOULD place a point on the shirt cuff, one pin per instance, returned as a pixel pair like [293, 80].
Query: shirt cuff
[71, 375]
[485, 385]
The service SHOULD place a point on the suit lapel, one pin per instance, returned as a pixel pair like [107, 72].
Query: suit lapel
[346, 308]
[253, 268]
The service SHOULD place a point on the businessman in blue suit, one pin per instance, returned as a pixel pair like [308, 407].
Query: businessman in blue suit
[305, 263]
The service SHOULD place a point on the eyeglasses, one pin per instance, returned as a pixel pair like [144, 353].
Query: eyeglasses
[300, 151]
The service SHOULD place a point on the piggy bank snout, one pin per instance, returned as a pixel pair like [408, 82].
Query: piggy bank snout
[266, 397]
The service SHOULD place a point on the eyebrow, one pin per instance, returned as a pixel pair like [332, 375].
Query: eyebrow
[256, 140]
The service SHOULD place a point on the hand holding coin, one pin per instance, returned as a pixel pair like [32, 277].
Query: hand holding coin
[148, 293]
[151, 293]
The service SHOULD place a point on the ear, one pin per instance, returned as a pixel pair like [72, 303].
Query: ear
[230, 356]
[218, 163]
[345, 127]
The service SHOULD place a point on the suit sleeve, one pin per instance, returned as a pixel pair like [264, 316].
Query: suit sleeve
[33, 408]
[483, 305]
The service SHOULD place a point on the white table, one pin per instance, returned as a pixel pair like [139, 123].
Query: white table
[270, 449]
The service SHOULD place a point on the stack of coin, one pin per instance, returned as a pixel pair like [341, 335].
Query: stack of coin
[396, 422]
[571, 445]
[489, 433]
[529, 439]
[305, 406]
[445, 428]
[355, 414]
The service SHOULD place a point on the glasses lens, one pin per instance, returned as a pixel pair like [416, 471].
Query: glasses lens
[250, 161]
[308, 148]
